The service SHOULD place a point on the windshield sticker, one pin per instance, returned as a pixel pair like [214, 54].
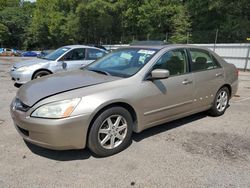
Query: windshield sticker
[150, 52]
[126, 56]
[65, 49]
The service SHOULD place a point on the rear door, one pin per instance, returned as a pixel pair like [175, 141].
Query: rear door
[208, 76]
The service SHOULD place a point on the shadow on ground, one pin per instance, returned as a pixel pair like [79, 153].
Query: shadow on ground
[167, 126]
[70, 155]
[67, 155]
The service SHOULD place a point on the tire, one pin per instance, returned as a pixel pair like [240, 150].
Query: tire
[17, 85]
[220, 103]
[107, 136]
[40, 74]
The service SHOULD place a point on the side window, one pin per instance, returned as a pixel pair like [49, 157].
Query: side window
[93, 54]
[201, 60]
[216, 63]
[75, 54]
[175, 61]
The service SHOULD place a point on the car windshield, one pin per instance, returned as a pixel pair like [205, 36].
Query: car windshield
[56, 54]
[123, 62]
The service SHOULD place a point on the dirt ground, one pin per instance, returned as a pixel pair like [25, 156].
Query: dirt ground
[197, 151]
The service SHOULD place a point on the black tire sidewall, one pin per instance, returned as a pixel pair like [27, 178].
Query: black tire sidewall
[93, 142]
[39, 72]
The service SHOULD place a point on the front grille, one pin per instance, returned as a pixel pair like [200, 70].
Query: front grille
[19, 105]
[23, 131]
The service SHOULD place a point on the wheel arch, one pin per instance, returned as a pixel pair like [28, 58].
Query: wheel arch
[42, 69]
[125, 105]
[228, 86]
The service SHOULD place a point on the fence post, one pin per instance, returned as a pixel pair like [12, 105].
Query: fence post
[215, 40]
[247, 57]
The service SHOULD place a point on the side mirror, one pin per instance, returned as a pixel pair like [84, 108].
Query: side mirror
[159, 74]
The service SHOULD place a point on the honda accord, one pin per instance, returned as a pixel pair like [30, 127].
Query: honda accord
[128, 90]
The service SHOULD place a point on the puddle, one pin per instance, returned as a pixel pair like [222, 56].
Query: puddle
[220, 146]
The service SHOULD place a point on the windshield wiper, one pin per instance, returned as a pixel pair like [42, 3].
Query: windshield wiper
[99, 71]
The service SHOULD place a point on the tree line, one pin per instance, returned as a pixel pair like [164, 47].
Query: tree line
[49, 24]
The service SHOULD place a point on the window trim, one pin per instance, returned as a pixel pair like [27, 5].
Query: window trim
[72, 50]
[216, 61]
[209, 54]
[145, 78]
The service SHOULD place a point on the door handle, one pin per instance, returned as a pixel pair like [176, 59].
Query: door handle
[218, 74]
[185, 82]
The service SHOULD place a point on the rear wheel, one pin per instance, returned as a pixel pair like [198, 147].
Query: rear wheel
[220, 102]
[110, 132]
[40, 74]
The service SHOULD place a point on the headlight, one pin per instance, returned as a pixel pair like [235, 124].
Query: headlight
[55, 110]
[32, 67]
[21, 69]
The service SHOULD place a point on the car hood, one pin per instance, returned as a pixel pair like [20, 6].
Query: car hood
[41, 88]
[30, 62]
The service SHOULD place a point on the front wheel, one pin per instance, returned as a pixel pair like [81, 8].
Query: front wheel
[40, 74]
[110, 132]
[220, 102]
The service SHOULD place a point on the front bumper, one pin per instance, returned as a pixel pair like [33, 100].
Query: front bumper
[58, 134]
[21, 77]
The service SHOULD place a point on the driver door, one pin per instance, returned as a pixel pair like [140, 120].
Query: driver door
[164, 99]
[73, 59]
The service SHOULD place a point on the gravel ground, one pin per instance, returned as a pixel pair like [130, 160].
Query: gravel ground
[197, 151]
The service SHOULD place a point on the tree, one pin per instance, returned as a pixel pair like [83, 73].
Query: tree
[232, 18]
[51, 24]
[17, 19]
[4, 34]
[8, 3]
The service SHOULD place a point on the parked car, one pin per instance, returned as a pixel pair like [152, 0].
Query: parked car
[29, 54]
[126, 91]
[147, 43]
[44, 53]
[64, 58]
[9, 52]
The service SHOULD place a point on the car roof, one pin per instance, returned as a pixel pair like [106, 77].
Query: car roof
[80, 46]
[170, 46]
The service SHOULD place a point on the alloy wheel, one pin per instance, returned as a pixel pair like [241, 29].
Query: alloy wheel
[112, 132]
[222, 100]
